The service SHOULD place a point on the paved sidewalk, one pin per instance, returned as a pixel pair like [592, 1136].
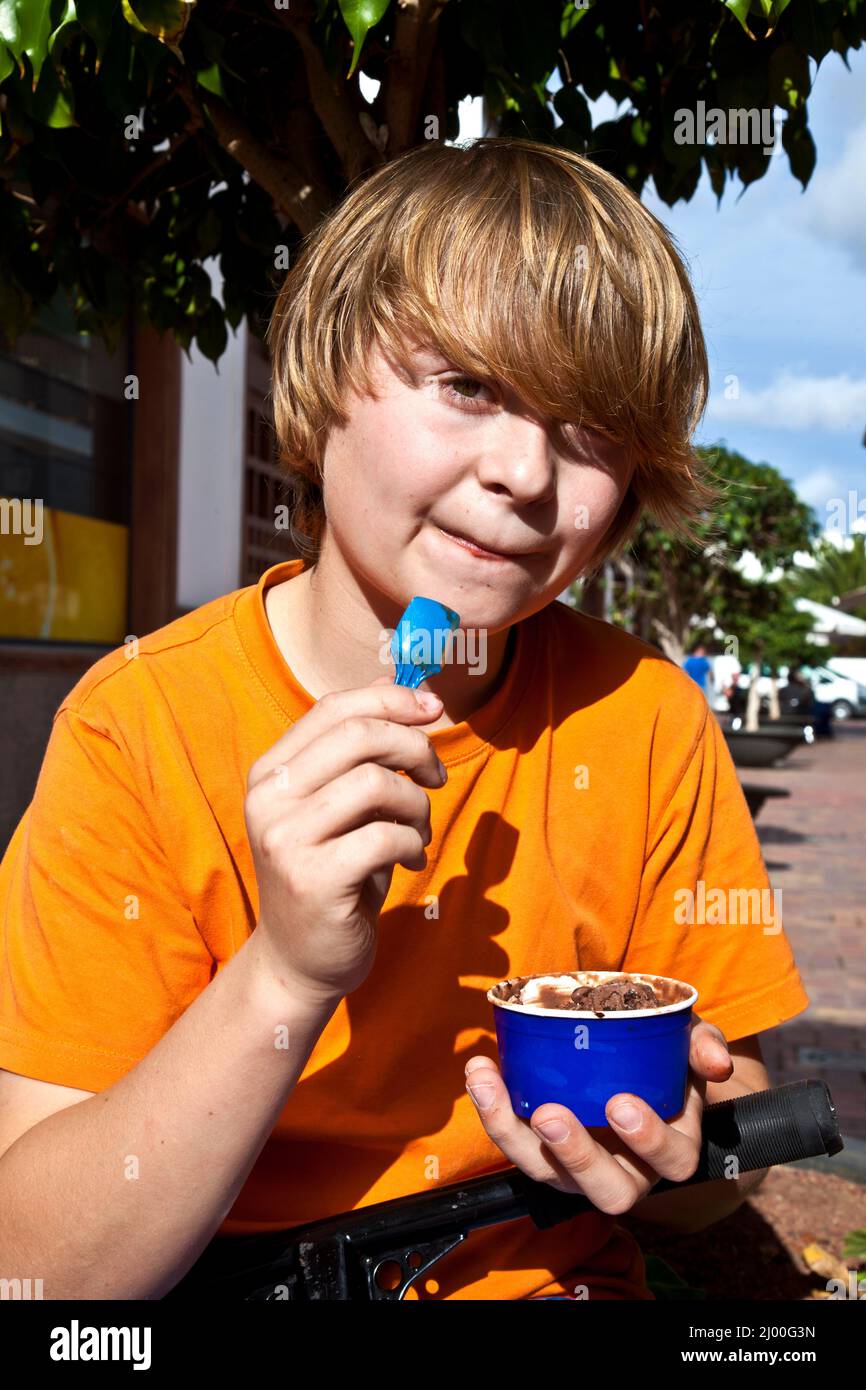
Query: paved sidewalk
[814, 845]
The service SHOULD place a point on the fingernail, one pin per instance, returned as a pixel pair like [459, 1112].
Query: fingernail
[554, 1131]
[427, 700]
[482, 1095]
[443, 775]
[626, 1116]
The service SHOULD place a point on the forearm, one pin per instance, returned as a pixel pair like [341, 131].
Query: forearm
[117, 1196]
[694, 1208]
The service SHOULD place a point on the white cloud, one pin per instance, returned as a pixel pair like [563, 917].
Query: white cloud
[836, 205]
[817, 486]
[843, 539]
[833, 403]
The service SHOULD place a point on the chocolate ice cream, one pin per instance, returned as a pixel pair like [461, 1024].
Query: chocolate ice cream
[618, 993]
[622, 993]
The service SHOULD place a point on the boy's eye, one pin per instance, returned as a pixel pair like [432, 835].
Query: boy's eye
[464, 389]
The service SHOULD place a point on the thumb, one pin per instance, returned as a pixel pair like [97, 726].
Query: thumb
[381, 680]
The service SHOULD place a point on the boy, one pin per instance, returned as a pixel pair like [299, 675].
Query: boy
[211, 1021]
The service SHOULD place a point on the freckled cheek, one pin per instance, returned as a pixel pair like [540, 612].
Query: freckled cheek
[589, 509]
[368, 473]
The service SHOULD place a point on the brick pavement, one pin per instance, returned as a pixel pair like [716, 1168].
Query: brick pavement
[814, 845]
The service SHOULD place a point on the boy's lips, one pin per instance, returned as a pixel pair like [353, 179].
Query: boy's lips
[478, 548]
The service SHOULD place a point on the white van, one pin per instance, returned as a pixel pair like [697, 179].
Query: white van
[844, 694]
[853, 668]
[847, 696]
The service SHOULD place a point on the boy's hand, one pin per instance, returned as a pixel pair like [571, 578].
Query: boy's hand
[328, 816]
[613, 1167]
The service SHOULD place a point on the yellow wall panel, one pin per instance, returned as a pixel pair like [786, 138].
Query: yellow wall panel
[62, 576]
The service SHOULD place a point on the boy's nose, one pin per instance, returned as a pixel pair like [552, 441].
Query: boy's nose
[523, 462]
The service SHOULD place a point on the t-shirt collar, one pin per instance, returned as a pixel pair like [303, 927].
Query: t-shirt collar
[488, 726]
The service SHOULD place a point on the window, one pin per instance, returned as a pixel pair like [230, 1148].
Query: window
[265, 489]
[64, 484]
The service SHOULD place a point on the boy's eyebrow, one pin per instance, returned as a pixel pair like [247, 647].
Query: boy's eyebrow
[430, 354]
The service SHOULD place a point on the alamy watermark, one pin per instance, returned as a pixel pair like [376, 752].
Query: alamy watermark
[466, 646]
[737, 126]
[720, 907]
[20, 1290]
[843, 514]
[22, 516]
[77, 1343]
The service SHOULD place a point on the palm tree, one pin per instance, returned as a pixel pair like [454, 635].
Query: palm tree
[836, 572]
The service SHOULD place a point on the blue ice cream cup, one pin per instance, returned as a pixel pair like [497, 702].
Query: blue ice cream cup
[581, 1057]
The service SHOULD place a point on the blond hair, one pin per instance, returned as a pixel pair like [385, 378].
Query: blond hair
[517, 261]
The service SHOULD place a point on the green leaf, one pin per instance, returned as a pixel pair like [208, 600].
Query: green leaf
[571, 16]
[210, 233]
[740, 8]
[854, 1246]
[771, 10]
[64, 31]
[202, 296]
[211, 80]
[665, 1283]
[166, 20]
[95, 16]
[50, 104]
[360, 16]
[572, 107]
[800, 148]
[640, 131]
[210, 332]
[788, 77]
[25, 27]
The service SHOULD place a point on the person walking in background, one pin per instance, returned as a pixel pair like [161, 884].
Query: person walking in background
[699, 667]
[797, 697]
[736, 695]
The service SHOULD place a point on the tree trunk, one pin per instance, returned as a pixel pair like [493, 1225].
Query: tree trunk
[608, 591]
[670, 642]
[752, 709]
[592, 598]
[626, 570]
[775, 710]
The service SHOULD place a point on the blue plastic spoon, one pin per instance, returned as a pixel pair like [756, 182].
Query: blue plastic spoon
[420, 638]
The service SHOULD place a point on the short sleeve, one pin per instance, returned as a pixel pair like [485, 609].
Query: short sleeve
[707, 913]
[99, 953]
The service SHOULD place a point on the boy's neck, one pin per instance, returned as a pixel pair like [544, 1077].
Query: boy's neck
[302, 610]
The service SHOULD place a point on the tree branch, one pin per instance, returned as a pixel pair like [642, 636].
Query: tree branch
[672, 600]
[670, 642]
[302, 199]
[158, 161]
[415, 29]
[334, 104]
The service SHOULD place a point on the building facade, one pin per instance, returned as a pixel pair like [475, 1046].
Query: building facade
[135, 485]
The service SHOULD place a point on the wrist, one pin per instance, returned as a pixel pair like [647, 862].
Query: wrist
[278, 982]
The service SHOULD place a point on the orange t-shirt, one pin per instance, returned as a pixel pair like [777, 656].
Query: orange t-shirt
[591, 787]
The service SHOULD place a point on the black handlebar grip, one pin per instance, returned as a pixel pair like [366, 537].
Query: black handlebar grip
[762, 1129]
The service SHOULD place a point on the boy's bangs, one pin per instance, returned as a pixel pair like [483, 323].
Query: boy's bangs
[533, 282]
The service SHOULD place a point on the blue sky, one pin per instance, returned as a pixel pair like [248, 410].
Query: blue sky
[780, 276]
